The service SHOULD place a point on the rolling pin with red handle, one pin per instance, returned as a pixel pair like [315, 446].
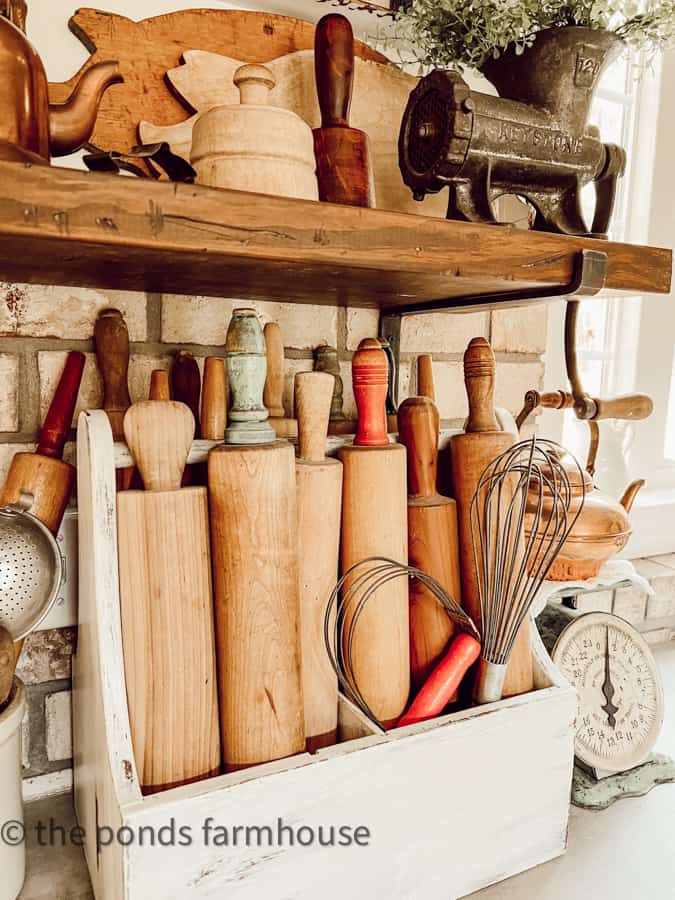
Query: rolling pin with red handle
[441, 686]
[343, 163]
[433, 544]
[374, 524]
[43, 473]
[470, 454]
[319, 490]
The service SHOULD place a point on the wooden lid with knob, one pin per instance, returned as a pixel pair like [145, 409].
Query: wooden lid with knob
[255, 83]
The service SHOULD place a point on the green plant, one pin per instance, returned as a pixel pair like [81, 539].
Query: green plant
[466, 33]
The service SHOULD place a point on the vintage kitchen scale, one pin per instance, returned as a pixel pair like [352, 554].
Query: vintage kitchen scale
[621, 704]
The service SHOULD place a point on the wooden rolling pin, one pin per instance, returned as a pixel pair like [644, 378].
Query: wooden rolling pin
[319, 485]
[425, 377]
[111, 339]
[167, 605]
[186, 387]
[470, 454]
[159, 385]
[433, 544]
[374, 523]
[255, 566]
[43, 473]
[273, 393]
[343, 163]
[214, 399]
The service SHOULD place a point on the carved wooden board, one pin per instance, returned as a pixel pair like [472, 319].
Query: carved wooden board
[380, 94]
[146, 50]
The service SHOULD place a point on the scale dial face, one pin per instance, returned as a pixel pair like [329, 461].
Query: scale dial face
[620, 692]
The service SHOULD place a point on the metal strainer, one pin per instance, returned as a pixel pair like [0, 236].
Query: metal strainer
[31, 568]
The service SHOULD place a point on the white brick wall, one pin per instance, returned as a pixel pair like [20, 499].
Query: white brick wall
[65, 313]
[204, 320]
[9, 393]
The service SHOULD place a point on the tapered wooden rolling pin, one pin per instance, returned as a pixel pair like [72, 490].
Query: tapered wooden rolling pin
[111, 339]
[254, 535]
[186, 387]
[433, 544]
[273, 393]
[374, 523]
[167, 604]
[43, 473]
[343, 162]
[319, 485]
[470, 454]
[214, 399]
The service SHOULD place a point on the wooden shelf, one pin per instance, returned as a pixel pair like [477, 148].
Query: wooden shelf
[62, 226]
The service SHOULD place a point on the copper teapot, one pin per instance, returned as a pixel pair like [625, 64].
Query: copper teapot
[600, 532]
[32, 130]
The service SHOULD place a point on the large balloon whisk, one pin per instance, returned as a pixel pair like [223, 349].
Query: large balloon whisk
[527, 482]
[358, 584]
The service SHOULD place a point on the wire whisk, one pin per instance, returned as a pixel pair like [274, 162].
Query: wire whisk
[358, 584]
[526, 483]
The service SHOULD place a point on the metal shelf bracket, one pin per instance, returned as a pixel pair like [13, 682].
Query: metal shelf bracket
[590, 271]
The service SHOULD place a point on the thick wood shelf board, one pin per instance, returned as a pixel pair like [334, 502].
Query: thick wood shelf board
[61, 226]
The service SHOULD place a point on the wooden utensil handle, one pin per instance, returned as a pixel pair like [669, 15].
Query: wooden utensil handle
[369, 379]
[112, 353]
[479, 377]
[274, 381]
[159, 385]
[214, 399]
[334, 69]
[630, 406]
[159, 434]
[443, 681]
[186, 383]
[60, 414]
[313, 396]
[418, 424]
[425, 377]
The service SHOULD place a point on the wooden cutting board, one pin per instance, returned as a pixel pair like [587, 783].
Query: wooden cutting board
[146, 50]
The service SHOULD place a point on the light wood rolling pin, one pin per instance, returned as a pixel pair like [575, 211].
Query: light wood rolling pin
[167, 604]
[470, 454]
[214, 399]
[319, 485]
[254, 535]
[433, 543]
[425, 377]
[111, 339]
[274, 383]
[374, 523]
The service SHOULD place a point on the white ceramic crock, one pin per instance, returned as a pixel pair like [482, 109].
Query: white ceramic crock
[12, 847]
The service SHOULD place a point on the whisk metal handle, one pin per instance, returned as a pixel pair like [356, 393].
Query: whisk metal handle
[489, 681]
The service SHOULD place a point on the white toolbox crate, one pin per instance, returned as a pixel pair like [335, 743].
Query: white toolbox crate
[451, 805]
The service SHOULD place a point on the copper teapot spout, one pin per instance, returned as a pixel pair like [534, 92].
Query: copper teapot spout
[631, 493]
[71, 123]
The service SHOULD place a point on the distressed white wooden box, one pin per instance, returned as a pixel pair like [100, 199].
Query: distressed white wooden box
[451, 805]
